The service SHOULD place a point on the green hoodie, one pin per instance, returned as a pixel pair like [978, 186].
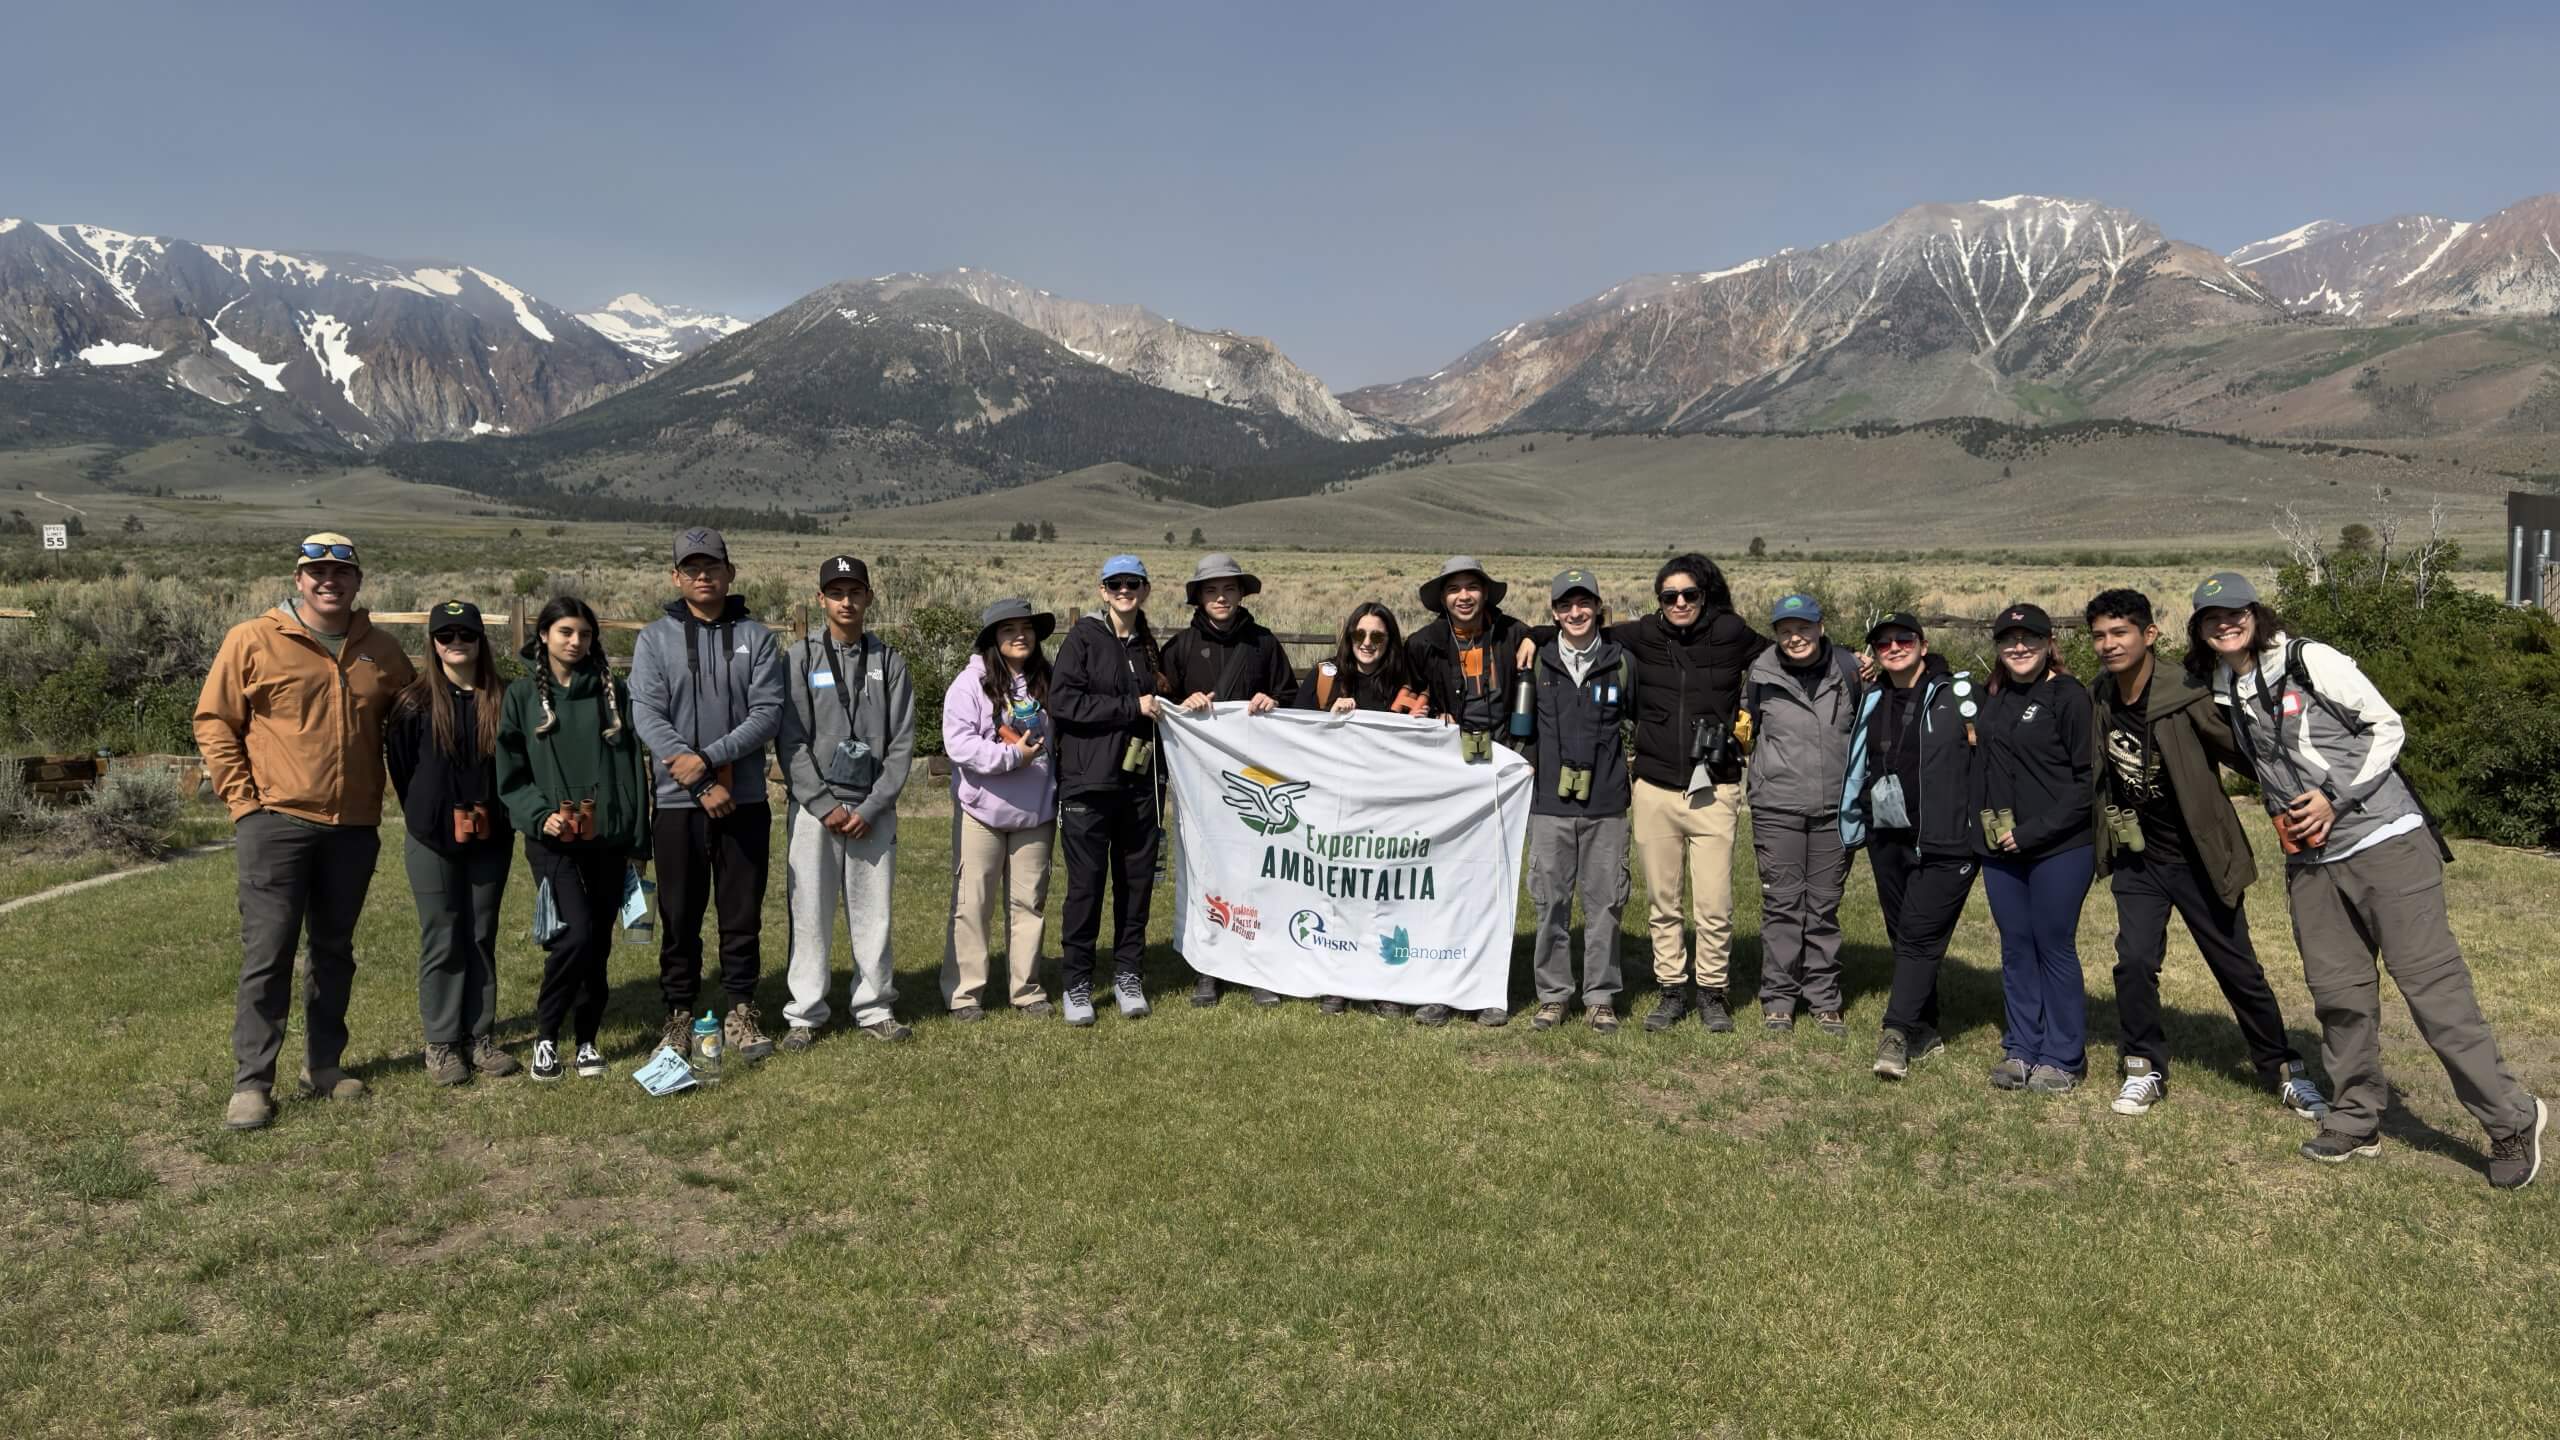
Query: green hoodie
[575, 761]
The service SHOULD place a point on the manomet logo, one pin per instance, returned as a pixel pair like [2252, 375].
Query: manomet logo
[1266, 803]
[1397, 948]
[1306, 931]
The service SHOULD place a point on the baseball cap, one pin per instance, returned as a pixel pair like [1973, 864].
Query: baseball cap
[1798, 606]
[453, 615]
[701, 540]
[328, 547]
[1128, 565]
[844, 567]
[2030, 618]
[1568, 581]
[2225, 590]
[1898, 620]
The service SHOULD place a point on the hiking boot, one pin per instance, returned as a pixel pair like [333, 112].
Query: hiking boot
[489, 1060]
[1204, 994]
[1039, 1009]
[1832, 1022]
[1129, 992]
[1925, 1043]
[1772, 1018]
[331, 1083]
[2143, 1088]
[1893, 1055]
[546, 1059]
[1079, 1005]
[1332, 1005]
[740, 1034]
[248, 1110]
[1493, 1017]
[1387, 1009]
[969, 1014]
[2337, 1147]
[1549, 1016]
[1434, 1016]
[799, 1038]
[2009, 1074]
[1714, 1013]
[676, 1032]
[590, 1061]
[2299, 1095]
[2515, 1160]
[887, 1031]
[445, 1065]
[1265, 998]
[2052, 1080]
[1668, 1010]
[1603, 1018]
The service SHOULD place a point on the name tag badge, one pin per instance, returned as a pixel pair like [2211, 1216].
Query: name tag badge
[822, 679]
[1613, 694]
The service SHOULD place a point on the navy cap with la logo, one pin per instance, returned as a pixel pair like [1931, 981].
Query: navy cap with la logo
[844, 567]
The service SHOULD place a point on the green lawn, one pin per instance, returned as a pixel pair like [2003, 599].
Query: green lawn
[1241, 1223]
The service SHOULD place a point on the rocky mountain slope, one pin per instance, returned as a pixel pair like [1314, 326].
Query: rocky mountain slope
[2507, 264]
[344, 348]
[659, 334]
[1242, 371]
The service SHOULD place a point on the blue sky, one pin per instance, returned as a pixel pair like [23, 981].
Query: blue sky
[1375, 187]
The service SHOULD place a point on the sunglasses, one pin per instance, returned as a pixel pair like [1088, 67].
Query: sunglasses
[314, 551]
[1689, 596]
[455, 637]
[1124, 587]
[1368, 637]
[699, 572]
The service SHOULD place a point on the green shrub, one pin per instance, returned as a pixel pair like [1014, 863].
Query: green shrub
[131, 812]
[937, 641]
[20, 815]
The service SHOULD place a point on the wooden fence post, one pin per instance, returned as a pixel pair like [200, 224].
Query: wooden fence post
[515, 626]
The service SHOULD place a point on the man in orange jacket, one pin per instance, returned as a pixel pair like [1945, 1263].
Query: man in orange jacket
[290, 725]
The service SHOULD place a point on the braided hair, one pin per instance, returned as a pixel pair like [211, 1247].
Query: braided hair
[564, 607]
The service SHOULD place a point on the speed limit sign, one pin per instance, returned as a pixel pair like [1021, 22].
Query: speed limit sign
[57, 537]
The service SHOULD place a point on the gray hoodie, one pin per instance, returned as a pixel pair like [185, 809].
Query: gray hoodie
[1800, 737]
[710, 690]
[874, 685]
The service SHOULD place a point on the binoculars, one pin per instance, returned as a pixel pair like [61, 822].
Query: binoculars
[1573, 783]
[1711, 744]
[1476, 746]
[2288, 830]
[577, 820]
[1996, 823]
[473, 822]
[2126, 826]
[1138, 754]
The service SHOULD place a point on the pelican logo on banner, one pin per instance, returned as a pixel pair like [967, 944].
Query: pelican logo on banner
[1357, 855]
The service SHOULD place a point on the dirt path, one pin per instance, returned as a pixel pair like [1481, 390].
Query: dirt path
[94, 881]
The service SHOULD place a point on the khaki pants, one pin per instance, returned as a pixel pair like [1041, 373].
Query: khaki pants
[985, 863]
[2390, 899]
[1676, 835]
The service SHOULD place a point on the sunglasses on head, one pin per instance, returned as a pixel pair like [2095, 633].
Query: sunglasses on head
[1690, 595]
[312, 550]
[1124, 587]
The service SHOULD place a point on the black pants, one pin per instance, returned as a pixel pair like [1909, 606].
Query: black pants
[586, 894]
[296, 878]
[1109, 835]
[1922, 897]
[698, 857]
[2147, 888]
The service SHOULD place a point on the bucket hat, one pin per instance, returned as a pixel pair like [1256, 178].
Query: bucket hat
[1218, 565]
[1014, 607]
[1494, 589]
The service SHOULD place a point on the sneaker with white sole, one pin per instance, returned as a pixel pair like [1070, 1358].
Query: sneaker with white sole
[2336, 1147]
[1079, 1005]
[2299, 1095]
[2515, 1159]
[546, 1059]
[2143, 1088]
[590, 1061]
[1129, 992]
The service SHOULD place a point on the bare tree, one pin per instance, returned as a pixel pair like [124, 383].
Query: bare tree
[2302, 538]
[2429, 560]
[2386, 531]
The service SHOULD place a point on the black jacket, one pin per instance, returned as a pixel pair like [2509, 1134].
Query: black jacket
[1940, 791]
[2036, 761]
[1683, 676]
[1583, 725]
[1094, 688]
[1234, 664]
[2189, 736]
[1373, 691]
[431, 783]
[1433, 653]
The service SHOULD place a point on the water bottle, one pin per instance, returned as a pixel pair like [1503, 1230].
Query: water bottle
[1524, 700]
[706, 1049]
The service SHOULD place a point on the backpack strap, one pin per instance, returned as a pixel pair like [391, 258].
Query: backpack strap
[2299, 674]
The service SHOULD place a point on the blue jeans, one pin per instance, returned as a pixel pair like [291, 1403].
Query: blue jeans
[2036, 904]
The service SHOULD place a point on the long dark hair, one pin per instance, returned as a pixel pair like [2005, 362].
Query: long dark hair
[426, 693]
[1392, 672]
[2200, 658]
[561, 608]
[1715, 593]
[997, 677]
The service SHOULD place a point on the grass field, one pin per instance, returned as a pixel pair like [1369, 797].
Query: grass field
[1242, 1223]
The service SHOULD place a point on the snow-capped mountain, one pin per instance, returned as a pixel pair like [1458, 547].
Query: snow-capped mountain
[368, 351]
[2508, 264]
[659, 334]
[1242, 371]
[2294, 239]
[1980, 308]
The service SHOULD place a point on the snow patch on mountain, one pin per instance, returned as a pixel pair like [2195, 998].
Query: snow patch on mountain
[2284, 244]
[525, 317]
[119, 352]
[660, 334]
[325, 336]
[271, 376]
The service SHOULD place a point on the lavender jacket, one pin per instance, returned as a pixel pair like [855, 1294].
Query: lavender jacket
[988, 777]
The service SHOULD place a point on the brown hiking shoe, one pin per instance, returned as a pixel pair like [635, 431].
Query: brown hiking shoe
[248, 1110]
[740, 1034]
[677, 1033]
[1603, 1018]
[489, 1060]
[445, 1067]
[1549, 1016]
[332, 1084]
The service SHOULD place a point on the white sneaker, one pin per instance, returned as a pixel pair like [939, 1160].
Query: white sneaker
[590, 1063]
[2299, 1095]
[1129, 993]
[546, 1060]
[2143, 1088]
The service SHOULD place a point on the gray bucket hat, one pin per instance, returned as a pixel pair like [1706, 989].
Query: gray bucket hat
[1494, 589]
[2225, 590]
[1218, 565]
[1014, 607]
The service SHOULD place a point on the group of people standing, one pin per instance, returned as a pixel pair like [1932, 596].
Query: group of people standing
[1647, 735]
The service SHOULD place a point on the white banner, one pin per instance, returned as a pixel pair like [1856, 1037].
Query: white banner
[1355, 855]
